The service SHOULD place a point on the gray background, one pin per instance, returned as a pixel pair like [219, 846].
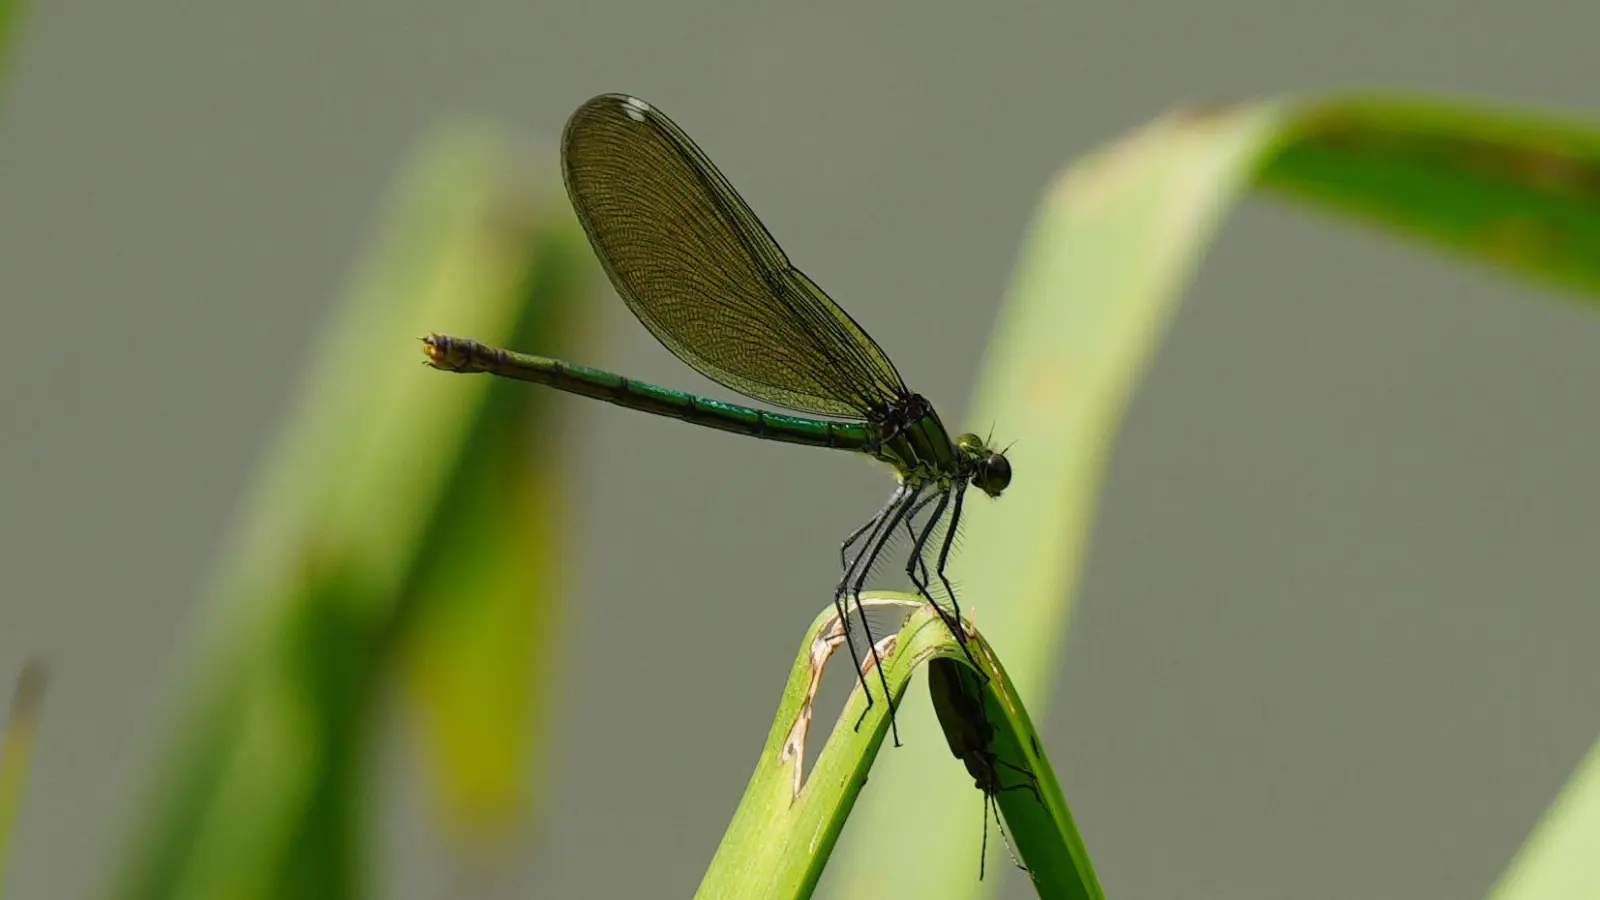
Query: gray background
[1335, 636]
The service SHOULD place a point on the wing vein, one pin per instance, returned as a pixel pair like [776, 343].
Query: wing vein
[704, 275]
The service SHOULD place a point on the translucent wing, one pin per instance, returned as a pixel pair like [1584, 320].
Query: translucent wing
[703, 274]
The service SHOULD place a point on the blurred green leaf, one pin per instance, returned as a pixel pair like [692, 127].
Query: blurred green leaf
[10, 17]
[1558, 860]
[16, 751]
[1514, 189]
[481, 649]
[389, 526]
[1111, 247]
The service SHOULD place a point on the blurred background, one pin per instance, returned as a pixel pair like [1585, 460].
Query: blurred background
[1335, 636]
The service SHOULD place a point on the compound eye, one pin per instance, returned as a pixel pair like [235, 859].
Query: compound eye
[993, 475]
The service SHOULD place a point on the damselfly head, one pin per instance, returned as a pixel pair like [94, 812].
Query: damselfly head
[988, 469]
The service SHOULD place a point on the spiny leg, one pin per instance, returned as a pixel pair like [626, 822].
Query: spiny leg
[951, 621]
[846, 562]
[917, 566]
[841, 607]
[906, 499]
[919, 540]
[855, 536]
[876, 530]
[960, 491]
[910, 495]
[911, 531]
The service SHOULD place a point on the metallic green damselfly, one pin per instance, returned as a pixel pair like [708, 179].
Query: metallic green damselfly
[702, 273]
